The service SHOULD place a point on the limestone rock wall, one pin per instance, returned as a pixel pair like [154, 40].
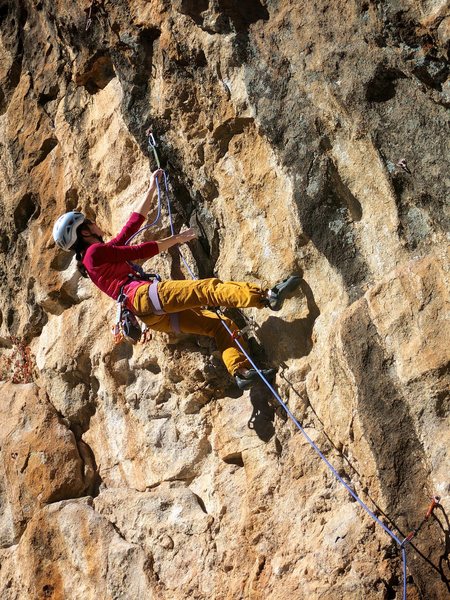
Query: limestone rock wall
[307, 137]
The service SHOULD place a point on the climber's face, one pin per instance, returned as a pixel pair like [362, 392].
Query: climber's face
[92, 232]
[93, 228]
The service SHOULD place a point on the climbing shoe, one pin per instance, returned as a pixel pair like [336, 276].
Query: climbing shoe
[249, 377]
[277, 295]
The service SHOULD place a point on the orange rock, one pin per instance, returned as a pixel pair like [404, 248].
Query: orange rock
[41, 460]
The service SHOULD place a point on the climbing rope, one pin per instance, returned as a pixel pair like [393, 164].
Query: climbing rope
[323, 457]
[152, 145]
[401, 544]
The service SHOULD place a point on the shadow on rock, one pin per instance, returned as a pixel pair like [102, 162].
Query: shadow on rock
[293, 339]
[263, 414]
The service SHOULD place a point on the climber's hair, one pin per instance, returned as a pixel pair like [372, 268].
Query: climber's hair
[80, 247]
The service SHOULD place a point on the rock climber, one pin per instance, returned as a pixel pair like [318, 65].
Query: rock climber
[168, 306]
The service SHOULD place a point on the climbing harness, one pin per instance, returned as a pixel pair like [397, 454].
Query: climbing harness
[127, 327]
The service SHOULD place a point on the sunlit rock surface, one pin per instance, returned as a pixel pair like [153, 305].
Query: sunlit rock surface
[299, 137]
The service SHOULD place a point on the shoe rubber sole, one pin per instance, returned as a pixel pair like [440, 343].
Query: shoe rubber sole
[245, 383]
[281, 290]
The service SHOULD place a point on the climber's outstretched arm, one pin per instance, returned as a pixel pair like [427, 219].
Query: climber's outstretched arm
[143, 206]
[111, 253]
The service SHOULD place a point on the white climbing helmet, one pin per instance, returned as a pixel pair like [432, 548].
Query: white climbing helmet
[65, 229]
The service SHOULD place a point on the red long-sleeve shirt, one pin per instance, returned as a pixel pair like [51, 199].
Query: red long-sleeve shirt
[107, 264]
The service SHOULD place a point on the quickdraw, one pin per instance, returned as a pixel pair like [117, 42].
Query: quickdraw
[96, 6]
[89, 18]
[435, 500]
[127, 326]
[402, 164]
[152, 145]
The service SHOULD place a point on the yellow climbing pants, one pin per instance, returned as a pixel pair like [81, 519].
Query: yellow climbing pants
[175, 306]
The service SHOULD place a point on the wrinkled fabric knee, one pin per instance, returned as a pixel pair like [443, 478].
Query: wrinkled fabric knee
[205, 322]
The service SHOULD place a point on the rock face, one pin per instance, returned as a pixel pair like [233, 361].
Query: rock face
[41, 460]
[307, 137]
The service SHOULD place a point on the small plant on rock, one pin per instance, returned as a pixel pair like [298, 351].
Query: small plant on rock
[17, 366]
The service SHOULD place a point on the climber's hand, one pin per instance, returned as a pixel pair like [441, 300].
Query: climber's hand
[186, 236]
[156, 175]
[143, 205]
[178, 238]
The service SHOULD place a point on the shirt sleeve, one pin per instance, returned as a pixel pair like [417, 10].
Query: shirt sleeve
[130, 227]
[106, 253]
